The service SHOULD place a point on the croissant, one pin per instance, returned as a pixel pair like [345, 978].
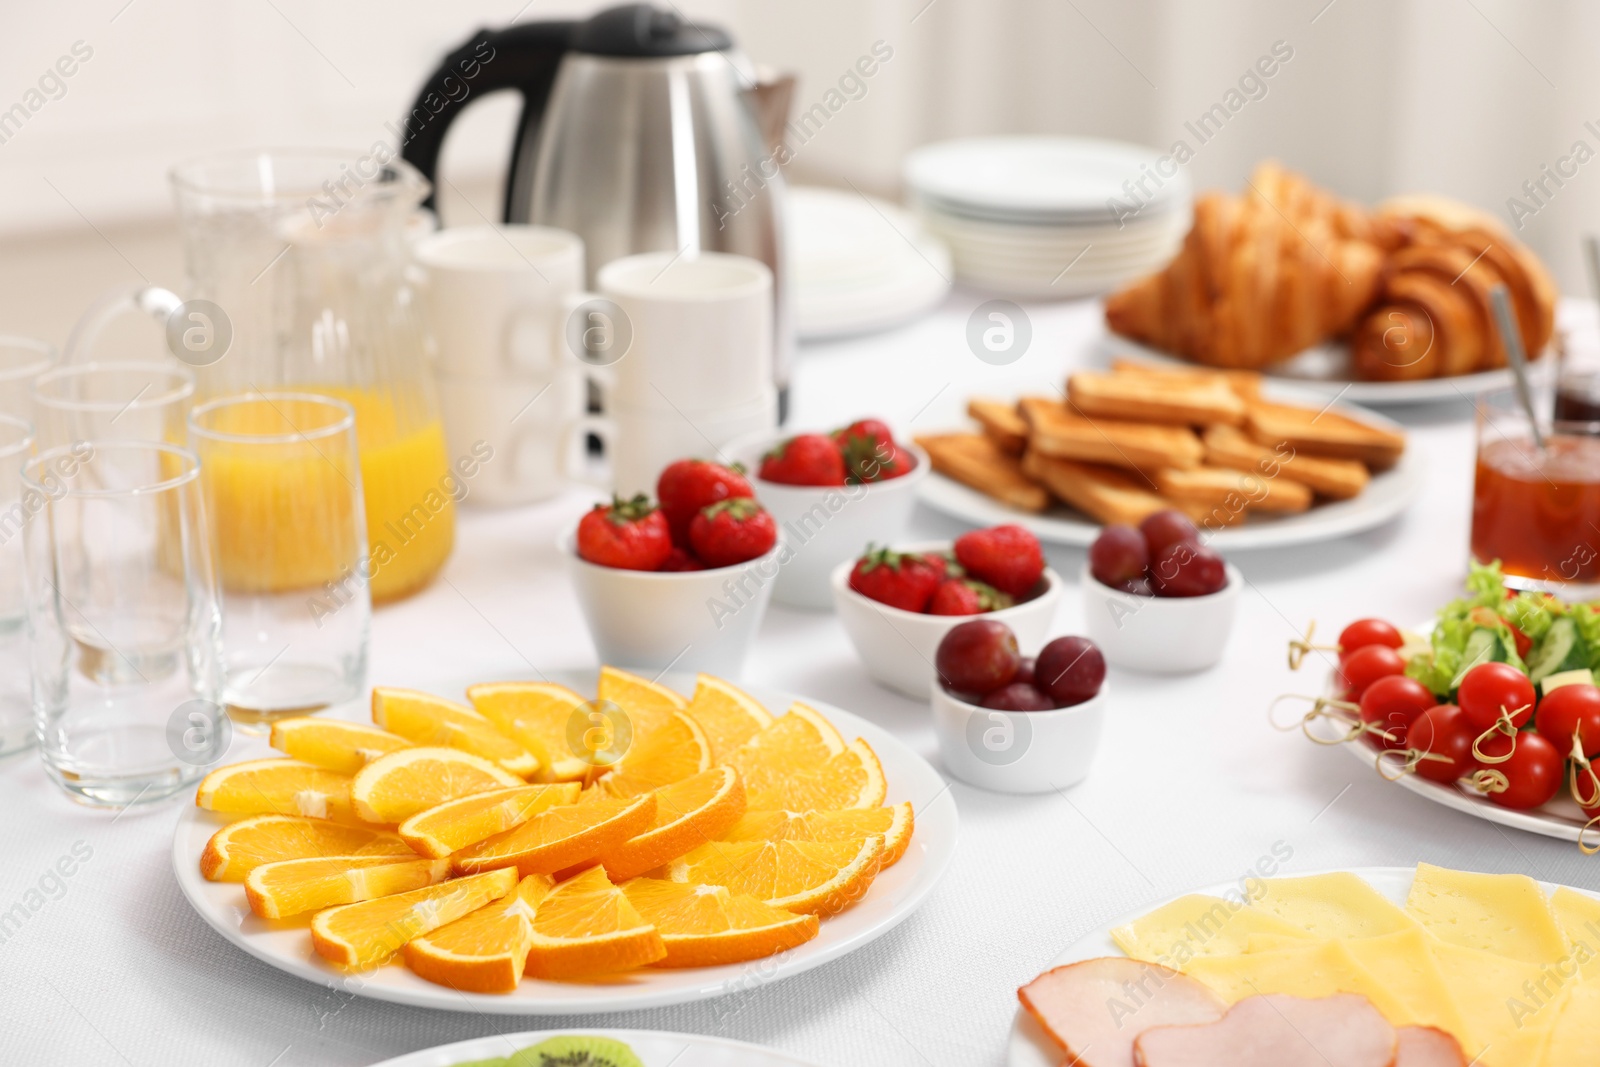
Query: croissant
[1259, 278]
[1433, 316]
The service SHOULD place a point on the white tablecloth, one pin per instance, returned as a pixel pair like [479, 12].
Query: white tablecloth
[1192, 785]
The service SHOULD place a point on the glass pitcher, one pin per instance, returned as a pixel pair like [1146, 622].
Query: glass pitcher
[297, 281]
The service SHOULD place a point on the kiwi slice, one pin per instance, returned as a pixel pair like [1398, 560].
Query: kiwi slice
[576, 1051]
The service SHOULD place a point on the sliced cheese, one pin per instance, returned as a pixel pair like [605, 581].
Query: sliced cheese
[1320, 969]
[1506, 914]
[1195, 926]
[1574, 1040]
[1506, 1014]
[1578, 915]
[1404, 964]
[1332, 906]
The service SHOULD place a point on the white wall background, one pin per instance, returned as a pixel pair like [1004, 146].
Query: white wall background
[1464, 97]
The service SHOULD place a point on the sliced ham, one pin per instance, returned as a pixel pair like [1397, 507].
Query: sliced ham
[1423, 1046]
[1277, 1031]
[1095, 1009]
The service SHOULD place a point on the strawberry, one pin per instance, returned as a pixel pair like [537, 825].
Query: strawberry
[898, 463]
[689, 485]
[809, 459]
[630, 535]
[904, 580]
[732, 531]
[957, 596]
[681, 560]
[1007, 557]
[870, 453]
[874, 432]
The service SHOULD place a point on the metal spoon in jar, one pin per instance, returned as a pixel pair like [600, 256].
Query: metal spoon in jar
[1505, 318]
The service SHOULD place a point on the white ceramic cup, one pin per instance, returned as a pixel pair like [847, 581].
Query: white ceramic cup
[700, 328]
[686, 620]
[535, 425]
[826, 525]
[1160, 635]
[1018, 751]
[641, 441]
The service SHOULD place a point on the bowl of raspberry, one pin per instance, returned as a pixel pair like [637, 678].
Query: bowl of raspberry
[897, 603]
[680, 581]
[829, 493]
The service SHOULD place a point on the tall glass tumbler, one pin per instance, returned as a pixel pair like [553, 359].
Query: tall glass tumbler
[16, 698]
[124, 620]
[112, 402]
[282, 480]
[22, 359]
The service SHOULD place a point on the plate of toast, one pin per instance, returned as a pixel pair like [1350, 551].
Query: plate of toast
[1253, 463]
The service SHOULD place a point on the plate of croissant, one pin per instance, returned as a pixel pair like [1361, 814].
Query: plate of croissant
[1384, 305]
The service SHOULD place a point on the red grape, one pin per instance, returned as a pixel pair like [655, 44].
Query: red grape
[1443, 731]
[1568, 710]
[1024, 671]
[1391, 704]
[1366, 665]
[977, 657]
[1365, 632]
[1166, 528]
[1138, 587]
[1118, 555]
[1492, 688]
[1186, 569]
[1534, 771]
[1018, 696]
[1070, 669]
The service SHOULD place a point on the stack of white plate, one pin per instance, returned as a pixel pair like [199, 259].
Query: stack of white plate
[1043, 217]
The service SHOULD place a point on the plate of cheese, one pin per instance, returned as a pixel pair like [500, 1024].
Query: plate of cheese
[1496, 970]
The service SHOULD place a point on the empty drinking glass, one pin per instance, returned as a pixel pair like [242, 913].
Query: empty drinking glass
[123, 618]
[16, 700]
[22, 359]
[282, 480]
[112, 402]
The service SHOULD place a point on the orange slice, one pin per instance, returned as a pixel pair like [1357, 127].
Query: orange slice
[291, 887]
[852, 779]
[819, 877]
[728, 715]
[894, 825]
[587, 927]
[345, 747]
[367, 933]
[239, 848]
[706, 926]
[276, 787]
[395, 787]
[647, 703]
[561, 837]
[688, 814]
[483, 952]
[799, 740]
[674, 750]
[456, 824]
[536, 716]
[430, 720]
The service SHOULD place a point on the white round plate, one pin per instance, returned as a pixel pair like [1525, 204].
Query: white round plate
[1324, 368]
[1386, 496]
[1030, 1046]
[859, 264]
[1035, 178]
[895, 894]
[655, 1047]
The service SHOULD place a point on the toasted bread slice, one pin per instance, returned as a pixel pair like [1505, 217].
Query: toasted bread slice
[1001, 423]
[1233, 489]
[1246, 384]
[1336, 479]
[1055, 430]
[1165, 399]
[977, 462]
[1324, 433]
[1105, 494]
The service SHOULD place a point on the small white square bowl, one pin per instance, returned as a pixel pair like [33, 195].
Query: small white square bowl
[1160, 634]
[1018, 751]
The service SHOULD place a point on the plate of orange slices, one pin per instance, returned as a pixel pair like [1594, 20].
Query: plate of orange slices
[535, 850]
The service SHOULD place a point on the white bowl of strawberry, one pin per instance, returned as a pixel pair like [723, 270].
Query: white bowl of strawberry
[898, 603]
[684, 583]
[1156, 599]
[829, 494]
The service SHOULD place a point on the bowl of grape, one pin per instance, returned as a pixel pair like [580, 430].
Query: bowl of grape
[1012, 723]
[1156, 598]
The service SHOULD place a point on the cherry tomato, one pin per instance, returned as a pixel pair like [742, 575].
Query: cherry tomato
[1490, 688]
[1364, 632]
[1391, 703]
[1534, 772]
[1366, 665]
[1522, 640]
[1443, 731]
[1568, 710]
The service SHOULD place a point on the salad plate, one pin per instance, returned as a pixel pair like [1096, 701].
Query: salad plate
[654, 1048]
[895, 894]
